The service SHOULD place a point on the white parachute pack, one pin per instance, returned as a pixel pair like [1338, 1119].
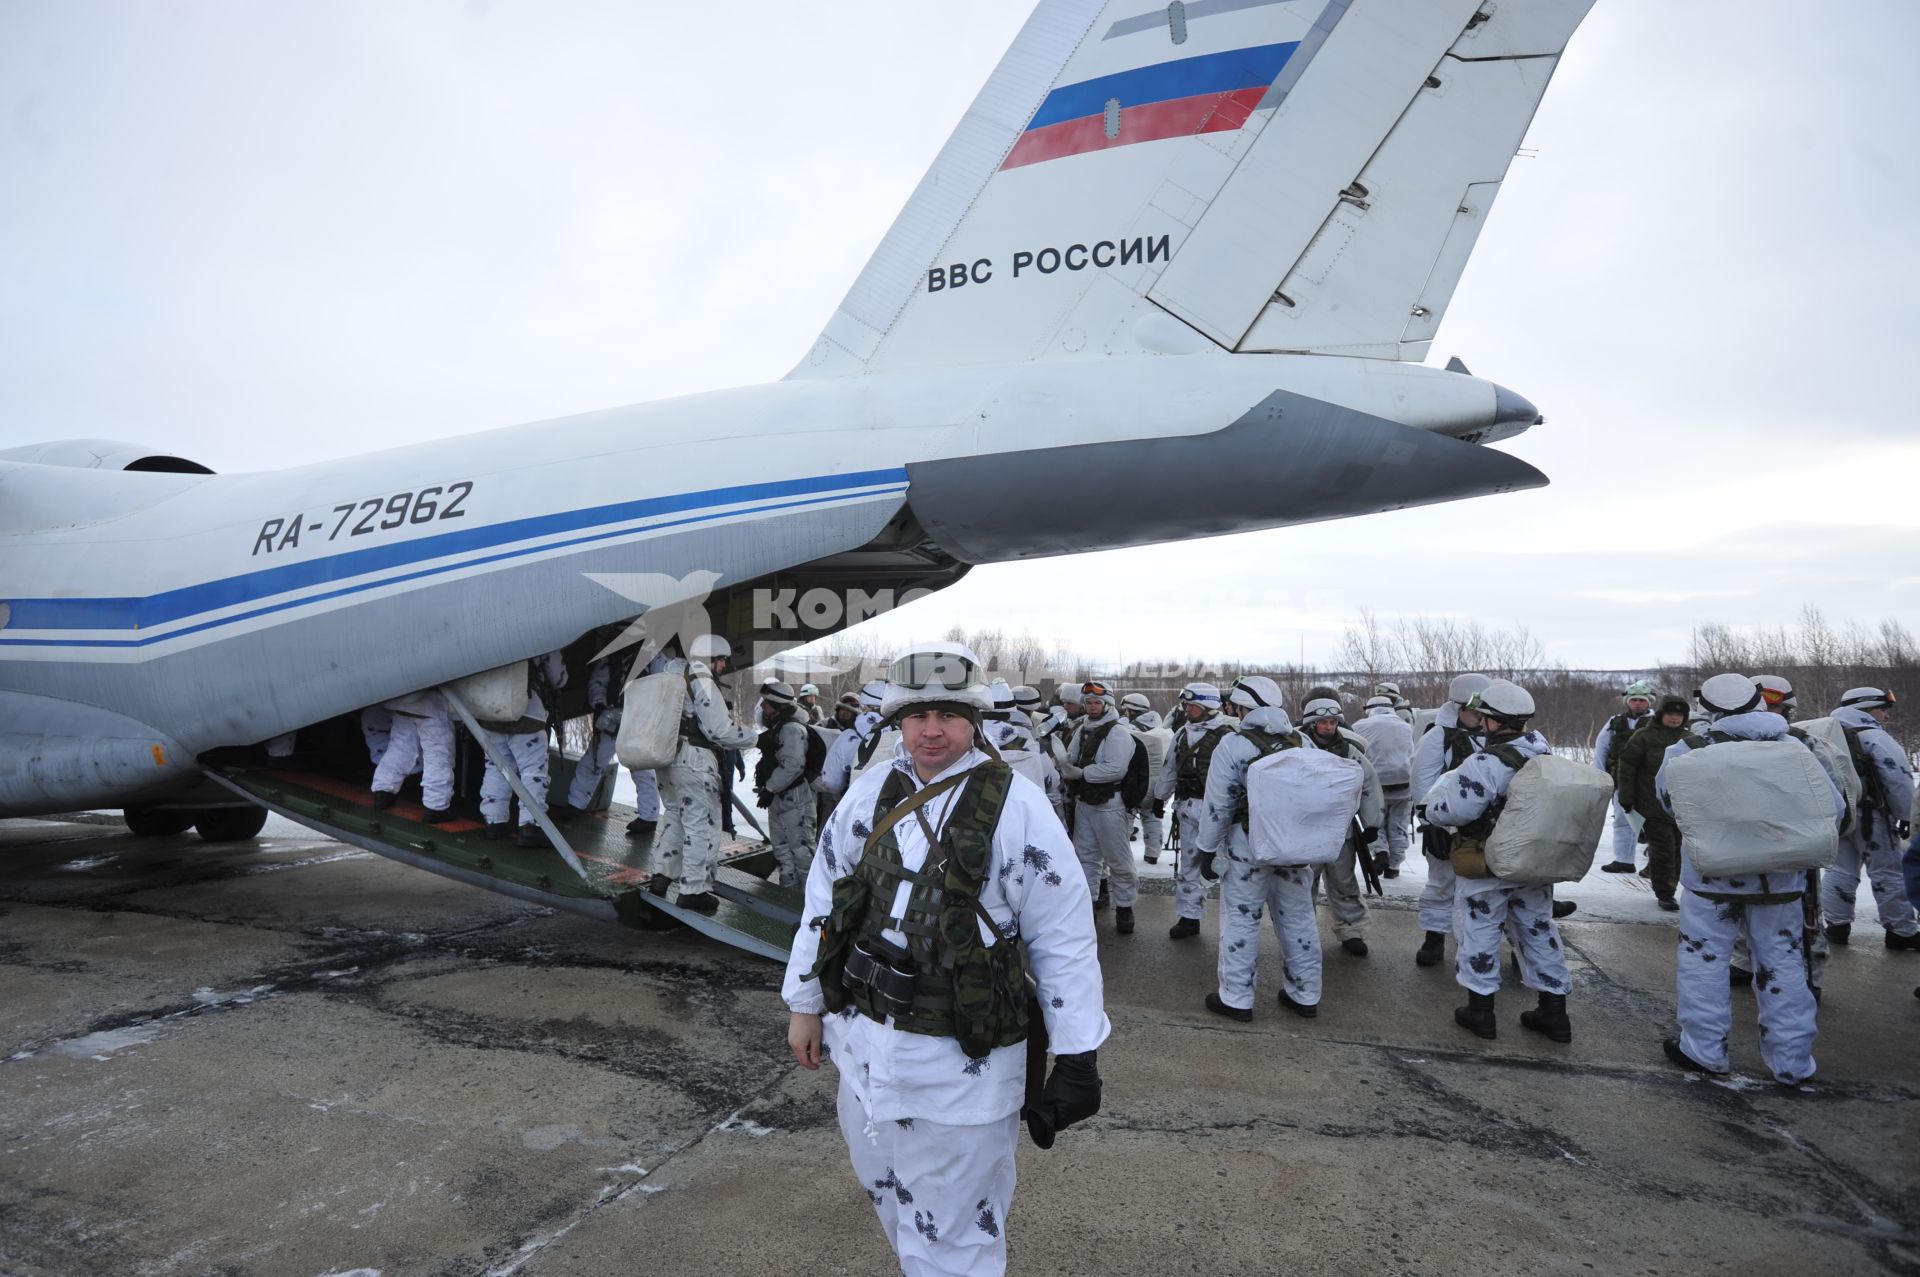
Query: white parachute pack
[1389, 747]
[1550, 827]
[1828, 738]
[650, 720]
[1300, 806]
[497, 695]
[1752, 807]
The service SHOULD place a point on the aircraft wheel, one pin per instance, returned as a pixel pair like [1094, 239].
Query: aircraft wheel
[230, 824]
[155, 822]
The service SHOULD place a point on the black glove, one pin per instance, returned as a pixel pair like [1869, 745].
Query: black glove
[1902, 829]
[1072, 1094]
[1159, 809]
[761, 798]
[1368, 835]
[1207, 870]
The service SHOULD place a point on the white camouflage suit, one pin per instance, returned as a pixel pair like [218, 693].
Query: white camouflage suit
[603, 703]
[1020, 751]
[690, 790]
[525, 747]
[420, 739]
[1158, 741]
[1606, 743]
[1389, 741]
[1100, 829]
[1189, 888]
[1484, 908]
[1430, 762]
[1878, 850]
[1248, 890]
[930, 1132]
[790, 810]
[1713, 915]
[1342, 878]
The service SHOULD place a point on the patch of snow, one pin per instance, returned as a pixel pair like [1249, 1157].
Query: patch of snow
[735, 1122]
[102, 1045]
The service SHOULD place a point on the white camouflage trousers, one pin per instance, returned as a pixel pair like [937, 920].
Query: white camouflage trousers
[376, 729]
[942, 1192]
[1100, 838]
[588, 771]
[1705, 1003]
[646, 793]
[1189, 888]
[1841, 883]
[1436, 898]
[790, 826]
[1343, 893]
[1397, 831]
[1247, 891]
[689, 838]
[1153, 832]
[526, 753]
[1482, 913]
[1812, 934]
[423, 744]
[1623, 836]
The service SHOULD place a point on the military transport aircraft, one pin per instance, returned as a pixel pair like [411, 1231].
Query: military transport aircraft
[1207, 241]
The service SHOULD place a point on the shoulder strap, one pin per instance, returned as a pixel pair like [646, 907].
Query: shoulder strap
[1508, 755]
[912, 804]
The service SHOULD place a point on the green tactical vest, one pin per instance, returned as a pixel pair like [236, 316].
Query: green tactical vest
[1190, 763]
[963, 989]
[1266, 743]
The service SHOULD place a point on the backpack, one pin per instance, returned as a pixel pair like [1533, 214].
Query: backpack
[1133, 785]
[495, 695]
[1837, 746]
[1390, 747]
[1550, 823]
[1752, 806]
[1300, 805]
[650, 721]
[816, 757]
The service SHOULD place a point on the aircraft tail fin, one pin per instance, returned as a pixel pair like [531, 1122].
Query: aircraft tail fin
[1245, 175]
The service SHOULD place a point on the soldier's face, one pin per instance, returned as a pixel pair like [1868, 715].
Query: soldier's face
[1636, 707]
[1469, 718]
[935, 738]
[1674, 717]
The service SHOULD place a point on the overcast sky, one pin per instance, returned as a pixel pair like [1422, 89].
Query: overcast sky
[263, 234]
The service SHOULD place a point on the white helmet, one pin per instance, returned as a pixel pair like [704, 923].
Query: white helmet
[1465, 687]
[1257, 691]
[1200, 694]
[1026, 697]
[709, 647]
[1386, 689]
[1095, 689]
[1868, 698]
[1320, 708]
[809, 689]
[1135, 701]
[1725, 694]
[937, 674]
[1379, 702]
[1777, 692]
[1002, 695]
[1508, 702]
[777, 692]
[871, 694]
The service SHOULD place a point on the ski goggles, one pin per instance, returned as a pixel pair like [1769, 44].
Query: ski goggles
[1188, 696]
[919, 671]
[1096, 689]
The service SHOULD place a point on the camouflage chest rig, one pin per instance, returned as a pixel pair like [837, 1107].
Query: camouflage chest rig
[945, 982]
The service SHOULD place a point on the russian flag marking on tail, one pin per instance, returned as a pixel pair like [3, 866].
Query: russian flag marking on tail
[1213, 93]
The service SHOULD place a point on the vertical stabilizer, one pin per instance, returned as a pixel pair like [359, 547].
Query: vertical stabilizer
[1303, 175]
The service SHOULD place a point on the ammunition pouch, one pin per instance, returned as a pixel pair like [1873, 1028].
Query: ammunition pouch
[881, 974]
[1469, 856]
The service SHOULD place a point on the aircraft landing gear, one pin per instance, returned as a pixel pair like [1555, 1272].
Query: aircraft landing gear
[230, 824]
[157, 822]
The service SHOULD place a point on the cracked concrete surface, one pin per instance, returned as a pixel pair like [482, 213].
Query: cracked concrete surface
[280, 1059]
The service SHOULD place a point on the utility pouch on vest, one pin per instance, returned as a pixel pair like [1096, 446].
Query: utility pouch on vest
[883, 970]
[850, 895]
[1469, 856]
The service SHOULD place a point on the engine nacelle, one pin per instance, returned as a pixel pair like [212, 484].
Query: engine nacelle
[104, 454]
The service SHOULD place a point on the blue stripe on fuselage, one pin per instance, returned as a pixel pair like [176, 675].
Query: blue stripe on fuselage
[173, 605]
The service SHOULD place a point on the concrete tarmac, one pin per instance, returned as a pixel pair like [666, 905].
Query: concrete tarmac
[292, 1057]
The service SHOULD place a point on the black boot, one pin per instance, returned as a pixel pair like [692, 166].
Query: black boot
[1839, 932]
[1105, 897]
[382, 799]
[1184, 929]
[530, 836]
[1477, 1015]
[1896, 941]
[641, 827]
[1550, 1018]
[698, 901]
[1562, 908]
[1433, 950]
[1123, 921]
